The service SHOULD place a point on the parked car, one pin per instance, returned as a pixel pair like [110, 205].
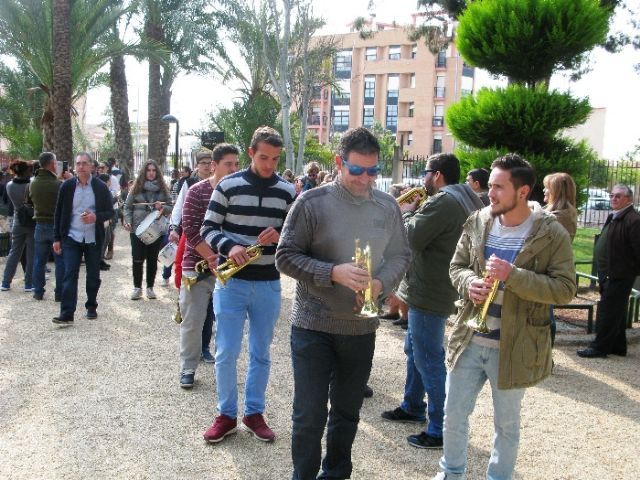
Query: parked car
[597, 199]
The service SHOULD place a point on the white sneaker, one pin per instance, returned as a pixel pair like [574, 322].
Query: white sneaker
[136, 294]
[165, 282]
[151, 294]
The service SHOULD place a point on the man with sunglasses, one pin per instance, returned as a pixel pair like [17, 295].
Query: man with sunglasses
[616, 274]
[331, 347]
[433, 231]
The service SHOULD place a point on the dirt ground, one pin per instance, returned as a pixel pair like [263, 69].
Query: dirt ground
[101, 399]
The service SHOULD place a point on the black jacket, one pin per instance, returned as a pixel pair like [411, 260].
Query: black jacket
[623, 244]
[64, 208]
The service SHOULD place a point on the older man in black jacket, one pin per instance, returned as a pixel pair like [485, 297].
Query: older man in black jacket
[616, 274]
[84, 204]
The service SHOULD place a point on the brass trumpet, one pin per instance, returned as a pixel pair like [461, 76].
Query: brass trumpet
[411, 195]
[229, 268]
[362, 259]
[479, 321]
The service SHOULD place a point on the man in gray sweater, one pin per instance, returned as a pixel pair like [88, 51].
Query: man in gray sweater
[331, 346]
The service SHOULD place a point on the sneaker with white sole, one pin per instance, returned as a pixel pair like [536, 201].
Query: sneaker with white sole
[151, 294]
[136, 294]
[258, 427]
[222, 426]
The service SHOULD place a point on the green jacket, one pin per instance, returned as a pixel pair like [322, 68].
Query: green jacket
[433, 231]
[43, 194]
[544, 274]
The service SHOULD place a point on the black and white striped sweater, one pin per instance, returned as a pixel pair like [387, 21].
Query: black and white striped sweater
[241, 207]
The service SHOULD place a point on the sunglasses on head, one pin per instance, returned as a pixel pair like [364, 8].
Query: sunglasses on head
[358, 170]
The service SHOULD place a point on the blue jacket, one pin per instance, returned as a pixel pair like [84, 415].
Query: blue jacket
[64, 208]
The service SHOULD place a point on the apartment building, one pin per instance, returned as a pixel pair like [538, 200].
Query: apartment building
[391, 80]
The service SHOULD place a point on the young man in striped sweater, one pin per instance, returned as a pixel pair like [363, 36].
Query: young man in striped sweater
[195, 297]
[247, 208]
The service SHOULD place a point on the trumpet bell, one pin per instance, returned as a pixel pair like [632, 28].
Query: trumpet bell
[369, 310]
[477, 324]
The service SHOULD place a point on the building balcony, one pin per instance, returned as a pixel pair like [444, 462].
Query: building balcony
[341, 100]
[467, 71]
[437, 121]
[315, 120]
[438, 92]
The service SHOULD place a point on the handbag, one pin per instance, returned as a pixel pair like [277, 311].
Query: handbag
[26, 211]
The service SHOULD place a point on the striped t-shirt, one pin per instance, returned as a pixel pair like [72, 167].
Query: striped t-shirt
[241, 207]
[505, 243]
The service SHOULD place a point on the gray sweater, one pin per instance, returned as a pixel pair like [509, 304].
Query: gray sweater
[318, 233]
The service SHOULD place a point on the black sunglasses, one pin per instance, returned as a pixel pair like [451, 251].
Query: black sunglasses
[428, 170]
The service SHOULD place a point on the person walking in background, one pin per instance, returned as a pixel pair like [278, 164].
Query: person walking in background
[433, 230]
[331, 346]
[312, 169]
[114, 188]
[617, 256]
[22, 229]
[149, 193]
[83, 205]
[560, 199]
[478, 179]
[528, 253]
[43, 193]
[247, 208]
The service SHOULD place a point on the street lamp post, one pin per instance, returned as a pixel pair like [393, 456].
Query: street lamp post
[171, 119]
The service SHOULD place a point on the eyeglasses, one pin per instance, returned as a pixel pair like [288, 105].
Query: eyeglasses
[357, 170]
[428, 170]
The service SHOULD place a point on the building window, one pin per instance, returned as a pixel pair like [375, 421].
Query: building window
[369, 88]
[409, 139]
[314, 119]
[343, 90]
[340, 118]
[367, 119]
[394, 52]
[343, 64]
[371, 53]
[392, 117]
[438, 116]
[412, 81]
[439, 89]
[467, 70]
[393, 85]
[412, 107]
[437, 144]
[441, 59]
[414, 50]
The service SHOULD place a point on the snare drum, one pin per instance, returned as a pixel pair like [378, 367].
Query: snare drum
[167, 255]
[152, 227]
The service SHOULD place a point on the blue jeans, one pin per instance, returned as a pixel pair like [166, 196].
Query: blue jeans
[259, 302]
[72, 252]
[327, 367]
[43, 241]
[476, 365]
[426, 372]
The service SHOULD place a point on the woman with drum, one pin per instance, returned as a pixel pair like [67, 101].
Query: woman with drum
[149, 194]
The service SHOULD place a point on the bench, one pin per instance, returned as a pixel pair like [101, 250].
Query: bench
[580, 306]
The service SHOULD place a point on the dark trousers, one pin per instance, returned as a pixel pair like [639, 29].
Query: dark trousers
[72, 253]
[611, 315]
[43, 241]
[207, 328]
[327, 367]
[142, 252]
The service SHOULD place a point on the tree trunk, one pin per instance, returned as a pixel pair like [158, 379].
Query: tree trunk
[62, 132]
[120, 110]
[46, 124]
[157, 101]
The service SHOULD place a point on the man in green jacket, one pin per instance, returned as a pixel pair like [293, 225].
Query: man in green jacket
[433, 230]
[43, 193]
[528, 253]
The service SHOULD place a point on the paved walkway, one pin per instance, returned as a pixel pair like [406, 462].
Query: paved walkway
[101, 400]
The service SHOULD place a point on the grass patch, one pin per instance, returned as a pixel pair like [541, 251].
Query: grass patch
[583, 247]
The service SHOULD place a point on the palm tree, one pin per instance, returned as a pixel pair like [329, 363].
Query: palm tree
[28, 33]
